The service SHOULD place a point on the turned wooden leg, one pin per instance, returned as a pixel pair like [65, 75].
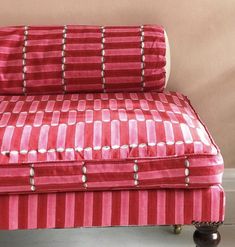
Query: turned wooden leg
[206, 234]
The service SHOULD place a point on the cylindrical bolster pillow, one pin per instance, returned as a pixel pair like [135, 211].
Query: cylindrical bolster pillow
[76, 59]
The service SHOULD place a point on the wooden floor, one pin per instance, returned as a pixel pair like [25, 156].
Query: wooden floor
[115, 237]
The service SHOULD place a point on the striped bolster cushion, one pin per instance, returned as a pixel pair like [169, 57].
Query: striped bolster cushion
[74, 58]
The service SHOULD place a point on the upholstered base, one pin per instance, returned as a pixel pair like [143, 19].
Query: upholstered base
[112, 208]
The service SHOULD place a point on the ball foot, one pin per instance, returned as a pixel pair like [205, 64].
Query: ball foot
[177, 229]
[206, 235]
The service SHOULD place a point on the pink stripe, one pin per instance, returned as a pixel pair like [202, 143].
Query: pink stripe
[7, 137]
[34, 106]
[81, 73]
[119, 52]
[13, 211]
[186, 133]
[46, 31]
[51, 210]
[215, 205]
[11, 171]
[143, 208]
[161, 207]
[116, 66]
[21, 119]
[24, 142]
[35, 83]
[47, 180]
[5, 118]
[169, 132]
[172, 117]
[179, 207]
[43, 42]
[79, 135]
[197, 207]
[124, 221]
[115, 133]
[206, 179]
[72, 119]
[139, 115]
[122, 115]
[32, 211]
[156, 116]
[120, 29]
[43, 137]
[82, 47]
[50, 106]
[89, 116]
[112, 167]
[151, 132]
[121, 79]
[38, 119]
[82, 60]
[127, 39]
[111, 184]
[162, 174]
[88, 209]
[17, 188]
[97, 135]
[4, 105]
[83, 35]
[69, 209]
[106, 208]
[133, 132]
[18, 107]
[65, 106]
[43, 68]
[61, 136]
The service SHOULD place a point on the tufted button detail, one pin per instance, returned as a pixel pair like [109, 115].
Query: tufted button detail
[186, 172]
[84, 178]
[33, 188]
[186, 163]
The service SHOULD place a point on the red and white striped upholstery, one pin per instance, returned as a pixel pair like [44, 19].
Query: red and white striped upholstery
[89, 138]
[73, 58]
[111, 208]
[104, 141]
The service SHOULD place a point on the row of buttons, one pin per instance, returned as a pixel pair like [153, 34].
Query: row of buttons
[135, 176]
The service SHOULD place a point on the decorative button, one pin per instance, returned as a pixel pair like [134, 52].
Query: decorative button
[186, 163]
[187, 180]
[33, 188]
[136, 182]
[136, 168]
[186, 172]
[84, 170]
[84, 179]
[136, 176]
[31, 172]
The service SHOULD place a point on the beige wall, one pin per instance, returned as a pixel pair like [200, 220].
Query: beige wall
[202, 38]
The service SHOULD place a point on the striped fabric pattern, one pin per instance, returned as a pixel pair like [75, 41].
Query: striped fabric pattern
[111, 175]
[104, 141]
[100, 126]
[73, 58]
[116, 208]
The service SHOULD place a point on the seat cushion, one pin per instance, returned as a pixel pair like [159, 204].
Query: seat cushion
[104, 141]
